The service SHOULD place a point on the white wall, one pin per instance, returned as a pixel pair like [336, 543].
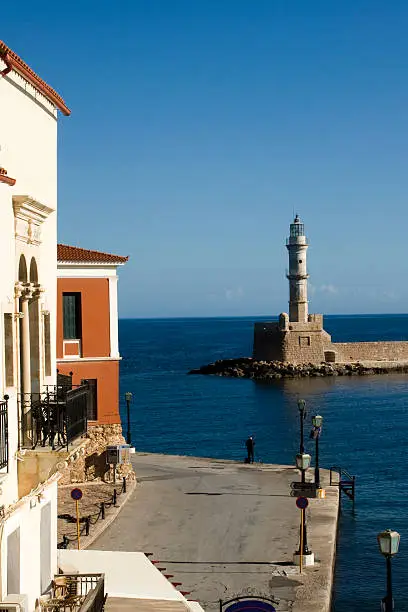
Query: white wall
[28, 519]
[28, 151]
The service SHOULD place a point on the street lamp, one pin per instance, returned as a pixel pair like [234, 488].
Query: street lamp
[388, 542]
[317, 422]
[303, 463]
[128, 398]
[302, 414]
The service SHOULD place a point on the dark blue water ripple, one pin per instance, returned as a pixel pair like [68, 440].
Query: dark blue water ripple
[365, 426]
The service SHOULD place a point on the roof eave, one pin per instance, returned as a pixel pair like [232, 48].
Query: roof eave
[37, 83]
[91, 263]
[14, 62]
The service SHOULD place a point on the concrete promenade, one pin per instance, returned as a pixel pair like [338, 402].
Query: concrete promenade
[223, 528]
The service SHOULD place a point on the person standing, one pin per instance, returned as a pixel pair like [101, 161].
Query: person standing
[250, 443]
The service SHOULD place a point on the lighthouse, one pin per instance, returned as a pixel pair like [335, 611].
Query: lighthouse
[297, 274]
[297, 337]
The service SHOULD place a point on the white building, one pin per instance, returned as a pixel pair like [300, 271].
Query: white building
[41, 417]
[28, 243]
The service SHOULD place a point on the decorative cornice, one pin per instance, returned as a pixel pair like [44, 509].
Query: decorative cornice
[29, 214]
[6, 179]
[31, 208]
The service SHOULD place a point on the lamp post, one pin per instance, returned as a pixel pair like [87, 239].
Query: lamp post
[128, 398]
[303, 463]
[302, 414]
[317, 422]
[388, 542]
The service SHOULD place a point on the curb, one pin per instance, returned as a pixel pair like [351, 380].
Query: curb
[109, 519]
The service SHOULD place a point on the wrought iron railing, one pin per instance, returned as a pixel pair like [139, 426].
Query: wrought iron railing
[54, 417]
[76, 593]
[77, 400]
[3, 435]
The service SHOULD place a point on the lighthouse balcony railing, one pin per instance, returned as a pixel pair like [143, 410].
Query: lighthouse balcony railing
[294, 240]
[295, 276]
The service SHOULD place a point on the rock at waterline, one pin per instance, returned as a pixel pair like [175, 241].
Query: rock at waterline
[247, 367]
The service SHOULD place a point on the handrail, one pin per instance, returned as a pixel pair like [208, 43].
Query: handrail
[4, 434]
[76, 593]
[95, 599]
[54, 416]
[347, 486]
[340, 471]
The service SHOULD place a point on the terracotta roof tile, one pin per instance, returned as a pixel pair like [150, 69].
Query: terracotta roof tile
[6, 179]
[71, 254]
[14, 62]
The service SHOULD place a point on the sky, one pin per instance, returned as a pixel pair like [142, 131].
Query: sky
[199, 127]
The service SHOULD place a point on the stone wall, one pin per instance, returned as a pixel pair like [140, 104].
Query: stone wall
[370, 351]
[307, 342]
[91, 464]
[291, 341]
[268, 342]
[306, 346]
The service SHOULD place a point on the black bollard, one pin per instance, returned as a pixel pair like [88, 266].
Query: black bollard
[114, 497]
[87, 523]
[102, 510]
[124, 484]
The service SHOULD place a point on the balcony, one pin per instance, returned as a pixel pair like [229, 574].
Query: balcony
[3, 435]
[75, 593]
[54, 417]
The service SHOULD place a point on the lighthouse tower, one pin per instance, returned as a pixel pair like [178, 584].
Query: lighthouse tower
[297, 274]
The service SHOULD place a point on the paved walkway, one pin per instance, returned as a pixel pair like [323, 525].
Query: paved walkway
[223, 528]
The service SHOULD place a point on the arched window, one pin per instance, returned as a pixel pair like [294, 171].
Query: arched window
[33, 271]
[22, 269]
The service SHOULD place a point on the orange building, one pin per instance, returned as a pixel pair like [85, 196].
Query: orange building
[87, 326]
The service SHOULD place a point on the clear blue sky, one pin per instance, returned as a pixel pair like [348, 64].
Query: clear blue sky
[198, 126]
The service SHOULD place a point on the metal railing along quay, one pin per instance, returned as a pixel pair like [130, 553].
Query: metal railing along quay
[54, 417]
[346, 482]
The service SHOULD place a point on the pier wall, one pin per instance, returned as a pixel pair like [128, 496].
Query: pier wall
[370, 351]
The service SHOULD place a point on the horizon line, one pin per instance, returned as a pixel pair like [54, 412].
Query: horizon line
[266, 317]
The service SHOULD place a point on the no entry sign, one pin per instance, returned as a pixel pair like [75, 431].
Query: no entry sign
[302, 503]
[76, 494]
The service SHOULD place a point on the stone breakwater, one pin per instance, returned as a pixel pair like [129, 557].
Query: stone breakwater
[247, 367]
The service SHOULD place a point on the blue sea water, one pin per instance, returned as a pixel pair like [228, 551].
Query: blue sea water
[365, 427]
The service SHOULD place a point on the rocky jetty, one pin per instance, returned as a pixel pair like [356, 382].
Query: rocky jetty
[246, 367]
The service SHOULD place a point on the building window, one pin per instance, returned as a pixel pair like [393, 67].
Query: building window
[72, 316]
[47, 344]
[8, 349]
[13, 562]
[304, 341]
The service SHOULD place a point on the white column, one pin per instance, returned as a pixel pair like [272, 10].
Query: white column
[25, 343]
[113, 316]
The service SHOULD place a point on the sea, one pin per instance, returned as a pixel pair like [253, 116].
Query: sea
[365, 427]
